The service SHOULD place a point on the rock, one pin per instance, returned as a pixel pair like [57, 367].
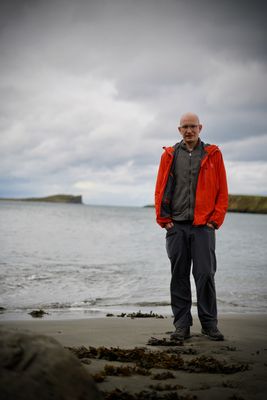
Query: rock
[38, 367]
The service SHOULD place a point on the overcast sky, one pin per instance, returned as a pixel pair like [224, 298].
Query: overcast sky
[91, 90]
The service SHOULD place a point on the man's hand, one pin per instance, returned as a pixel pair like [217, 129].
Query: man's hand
[169, 225]
[210, 225]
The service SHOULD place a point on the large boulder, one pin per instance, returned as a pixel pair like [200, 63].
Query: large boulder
[37, 367]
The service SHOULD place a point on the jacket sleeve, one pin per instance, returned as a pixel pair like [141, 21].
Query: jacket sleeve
[159, 190]
[221, 202]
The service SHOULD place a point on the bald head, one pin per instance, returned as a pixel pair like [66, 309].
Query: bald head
[189, 116]
[190, 129]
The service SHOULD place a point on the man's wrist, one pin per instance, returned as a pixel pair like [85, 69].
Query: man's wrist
[215, 226]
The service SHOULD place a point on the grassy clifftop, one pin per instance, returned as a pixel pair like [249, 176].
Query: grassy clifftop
[57, 198]
[245, 203]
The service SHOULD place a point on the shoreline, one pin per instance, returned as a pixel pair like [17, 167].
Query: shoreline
[245, 345]
[7, 315]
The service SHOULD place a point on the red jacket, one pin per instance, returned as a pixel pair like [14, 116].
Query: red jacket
[211, 200]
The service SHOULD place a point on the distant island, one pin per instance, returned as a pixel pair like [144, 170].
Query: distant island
[245, 204]
[57, 198]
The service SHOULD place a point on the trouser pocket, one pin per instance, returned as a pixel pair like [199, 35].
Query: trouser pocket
[171, 242]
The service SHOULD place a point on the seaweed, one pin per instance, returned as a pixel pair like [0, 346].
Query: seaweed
[111, 370]
[99, 377]
[160, 388]
[164, 342]
[148, 359]
[37, 313]
[182, 350]
[145, 395]
[122, 315]
[83, 352]
[177, 346]
[118, 394]
[139, 314]
[212, 365]
[139, 355]
[163, 375]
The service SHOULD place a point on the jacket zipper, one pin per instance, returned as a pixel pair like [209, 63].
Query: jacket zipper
[189, 191]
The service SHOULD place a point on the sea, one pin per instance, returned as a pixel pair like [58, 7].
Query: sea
[83, 261]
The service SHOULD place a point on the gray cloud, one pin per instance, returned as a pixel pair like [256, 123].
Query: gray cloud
[92, 90]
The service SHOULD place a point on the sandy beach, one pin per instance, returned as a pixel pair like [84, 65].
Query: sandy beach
[233, 369]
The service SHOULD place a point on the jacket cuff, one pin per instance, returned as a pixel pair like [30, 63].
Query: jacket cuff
[163, 221]
[213, 223]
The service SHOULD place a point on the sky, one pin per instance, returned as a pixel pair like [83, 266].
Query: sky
[91, 90]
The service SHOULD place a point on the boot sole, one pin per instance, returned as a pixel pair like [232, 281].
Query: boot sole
[219, 339]
[177, 338]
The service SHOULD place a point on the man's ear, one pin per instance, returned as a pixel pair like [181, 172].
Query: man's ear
[200, 127]
[179, 129]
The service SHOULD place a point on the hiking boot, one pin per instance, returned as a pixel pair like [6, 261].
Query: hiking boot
[212, 333]
[181, 333]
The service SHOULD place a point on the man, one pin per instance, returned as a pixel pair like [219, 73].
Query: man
[191, 200]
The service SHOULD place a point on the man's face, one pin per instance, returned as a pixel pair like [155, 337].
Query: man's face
[190, 129]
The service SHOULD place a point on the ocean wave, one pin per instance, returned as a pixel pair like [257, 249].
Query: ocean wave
[230, 303]
[39, 277]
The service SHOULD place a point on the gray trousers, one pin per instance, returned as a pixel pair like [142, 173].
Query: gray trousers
[187, 244]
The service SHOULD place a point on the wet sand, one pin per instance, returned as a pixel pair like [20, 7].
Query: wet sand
[233, 369]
